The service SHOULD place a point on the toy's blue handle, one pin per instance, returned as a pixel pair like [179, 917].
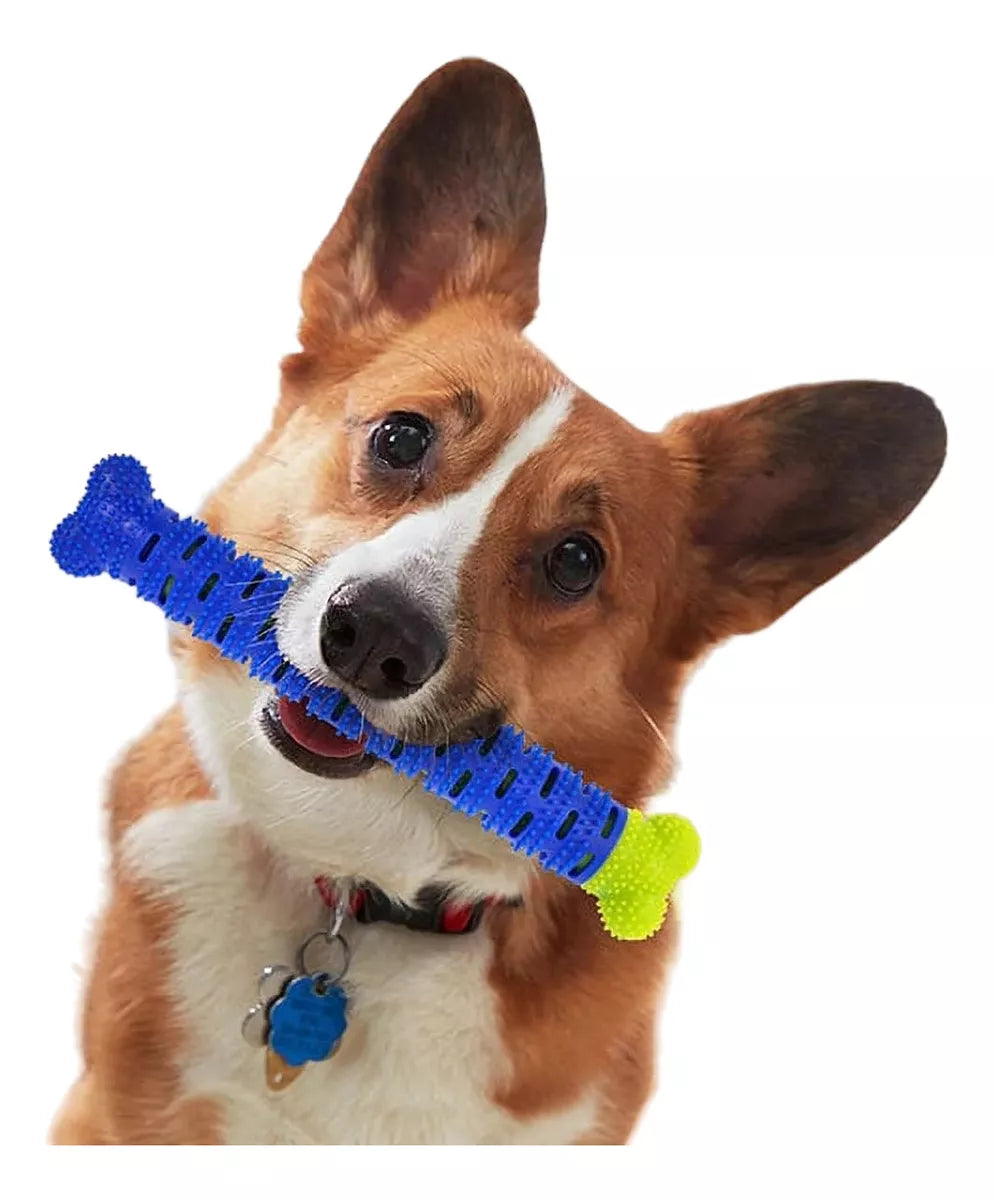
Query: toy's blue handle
[519, 791]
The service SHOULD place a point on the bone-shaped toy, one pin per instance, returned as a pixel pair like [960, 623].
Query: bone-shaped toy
[628, 861]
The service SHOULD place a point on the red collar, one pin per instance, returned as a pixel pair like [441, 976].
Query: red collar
[434, 912]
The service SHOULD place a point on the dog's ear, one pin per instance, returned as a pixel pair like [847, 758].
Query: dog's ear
[451, 202]
[789, 488]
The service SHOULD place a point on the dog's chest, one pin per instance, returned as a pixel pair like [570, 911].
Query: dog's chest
[422, 1054]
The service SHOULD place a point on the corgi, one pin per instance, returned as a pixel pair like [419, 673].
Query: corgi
[474, 541]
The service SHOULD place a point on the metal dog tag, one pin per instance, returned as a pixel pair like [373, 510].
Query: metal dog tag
[301, 1015]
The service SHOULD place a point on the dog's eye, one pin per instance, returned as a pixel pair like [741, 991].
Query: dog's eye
[401, 440]
[573, 565]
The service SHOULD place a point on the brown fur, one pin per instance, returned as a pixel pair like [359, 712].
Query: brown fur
[415, 301]
[577, 1007]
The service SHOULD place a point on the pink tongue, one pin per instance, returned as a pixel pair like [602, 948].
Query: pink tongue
[314, 735]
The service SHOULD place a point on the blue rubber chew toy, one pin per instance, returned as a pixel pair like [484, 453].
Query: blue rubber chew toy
[518, 790]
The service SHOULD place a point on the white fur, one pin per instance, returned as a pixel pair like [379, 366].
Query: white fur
[422, 1053]
[423, 553]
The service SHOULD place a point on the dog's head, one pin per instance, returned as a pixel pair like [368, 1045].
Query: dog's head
[476, 540]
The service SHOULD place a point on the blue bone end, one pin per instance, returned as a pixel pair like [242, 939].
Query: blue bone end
[85, 542]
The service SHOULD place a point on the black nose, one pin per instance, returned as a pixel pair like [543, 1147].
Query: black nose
[372, 635]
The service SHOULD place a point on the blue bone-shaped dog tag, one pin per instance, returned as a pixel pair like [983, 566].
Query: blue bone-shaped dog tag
[306, 1023]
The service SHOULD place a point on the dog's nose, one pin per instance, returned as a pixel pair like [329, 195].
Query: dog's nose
[373, 636]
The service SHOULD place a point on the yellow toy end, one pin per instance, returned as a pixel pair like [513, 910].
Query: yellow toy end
[633, 885]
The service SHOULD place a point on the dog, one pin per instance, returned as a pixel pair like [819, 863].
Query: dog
[474, 540]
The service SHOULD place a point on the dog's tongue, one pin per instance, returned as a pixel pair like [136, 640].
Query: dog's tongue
[314, 735]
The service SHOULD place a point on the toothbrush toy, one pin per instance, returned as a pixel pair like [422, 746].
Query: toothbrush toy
[628, 861]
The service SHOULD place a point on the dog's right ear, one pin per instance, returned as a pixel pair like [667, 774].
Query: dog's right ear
[450, 203]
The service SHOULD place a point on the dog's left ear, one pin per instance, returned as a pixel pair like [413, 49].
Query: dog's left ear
[450, 203]
[789, 488]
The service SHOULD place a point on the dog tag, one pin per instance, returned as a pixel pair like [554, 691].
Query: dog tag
[255, 1026]
[278, 1074]
[300, 1016]
[272, 981]
[307, 1021]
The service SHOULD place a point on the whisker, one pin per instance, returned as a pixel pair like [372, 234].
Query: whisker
[652, 725]
[295, 551]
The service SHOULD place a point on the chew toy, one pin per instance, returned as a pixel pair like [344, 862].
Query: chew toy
[628, 861]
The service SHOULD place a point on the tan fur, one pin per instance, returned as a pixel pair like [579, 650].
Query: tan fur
[587, 1021]
[415, 301]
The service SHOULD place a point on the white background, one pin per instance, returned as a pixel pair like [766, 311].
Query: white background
[740, 197]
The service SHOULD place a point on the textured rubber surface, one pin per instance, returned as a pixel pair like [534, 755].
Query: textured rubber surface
[634, 884]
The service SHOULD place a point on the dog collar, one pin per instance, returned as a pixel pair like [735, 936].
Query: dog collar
[434, 911]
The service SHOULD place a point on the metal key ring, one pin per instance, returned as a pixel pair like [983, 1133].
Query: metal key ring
[341, 909]
[329, 939]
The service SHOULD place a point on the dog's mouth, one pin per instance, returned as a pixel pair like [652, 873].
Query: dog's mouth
[311, 744]
[314, 746]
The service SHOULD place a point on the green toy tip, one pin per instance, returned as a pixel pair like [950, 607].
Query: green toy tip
[633, 885]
